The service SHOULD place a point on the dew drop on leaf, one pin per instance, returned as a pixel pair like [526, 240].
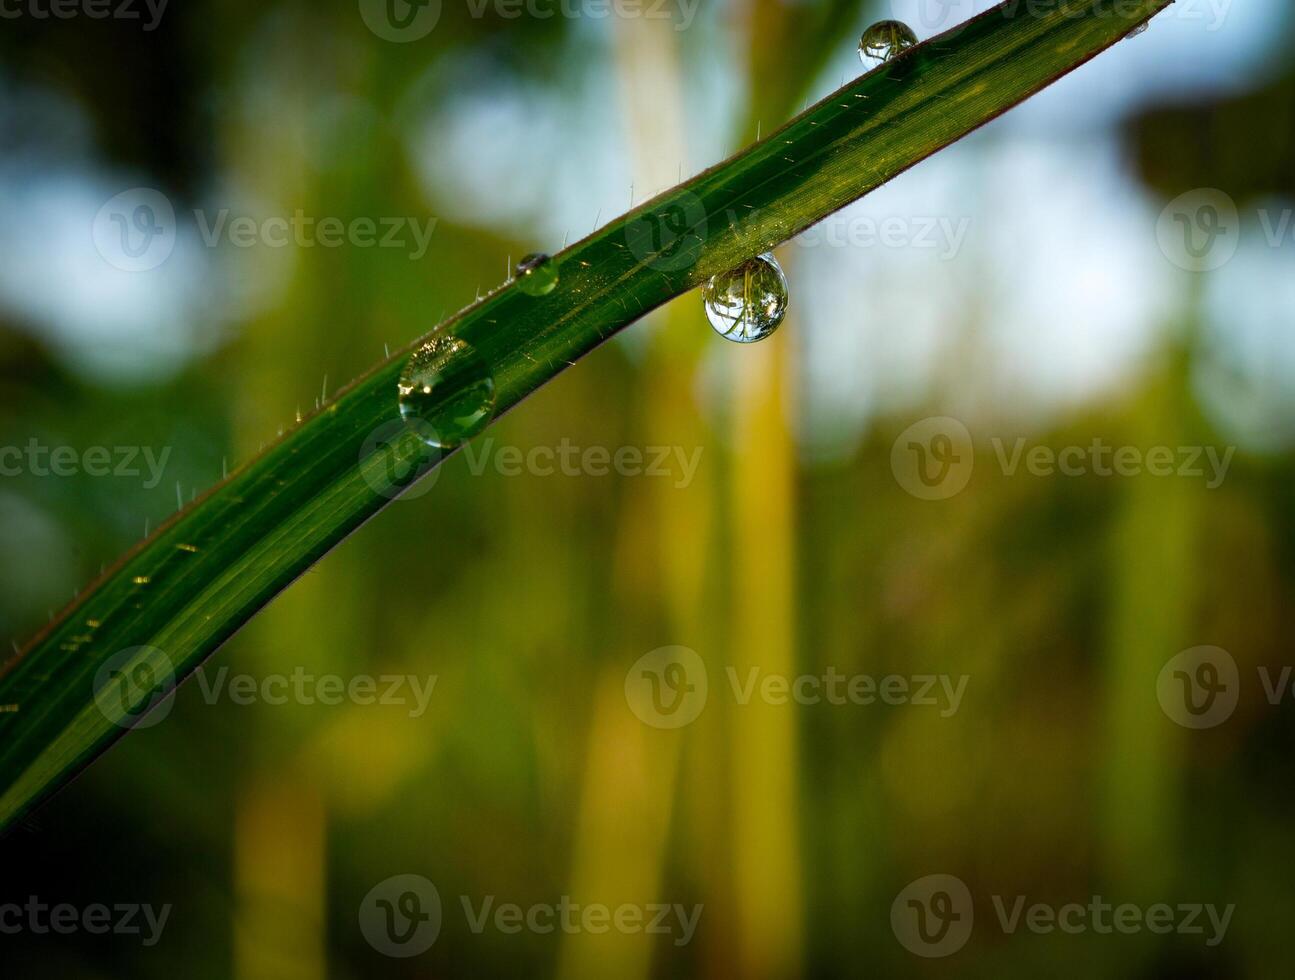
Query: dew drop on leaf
[1140, 29]
[883, 41]
[447, 389]
[537, 274]
[746, 304]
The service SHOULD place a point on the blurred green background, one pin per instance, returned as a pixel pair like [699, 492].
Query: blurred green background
[1070, 274]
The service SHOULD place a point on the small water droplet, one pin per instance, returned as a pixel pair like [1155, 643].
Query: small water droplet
[1140, 29]
[748, 303]
[885, 40]
[537, 274]
[447, 387]
[142, 579]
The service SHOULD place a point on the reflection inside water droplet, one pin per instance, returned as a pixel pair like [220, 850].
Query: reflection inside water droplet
[748, 303]
[448, 388]
[883, 41]
[537, 274]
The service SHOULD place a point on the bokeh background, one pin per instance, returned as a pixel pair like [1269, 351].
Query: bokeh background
[1025, 283]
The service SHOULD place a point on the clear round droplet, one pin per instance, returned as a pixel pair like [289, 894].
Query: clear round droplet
[746, 304]
[537, 274]
[883, 41]
[447, 387]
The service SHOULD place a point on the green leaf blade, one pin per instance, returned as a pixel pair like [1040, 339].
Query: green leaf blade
[199, 578]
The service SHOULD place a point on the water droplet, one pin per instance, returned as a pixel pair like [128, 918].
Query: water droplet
[537, 274]
[885, 40]
[1140, 29]
[448, 389]
[746, 304]
[142, 579]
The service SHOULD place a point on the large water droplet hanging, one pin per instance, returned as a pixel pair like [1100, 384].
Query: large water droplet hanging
[448, 390]
[1140, 29]
[537, 274]
[746, 304]
[883, 41]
